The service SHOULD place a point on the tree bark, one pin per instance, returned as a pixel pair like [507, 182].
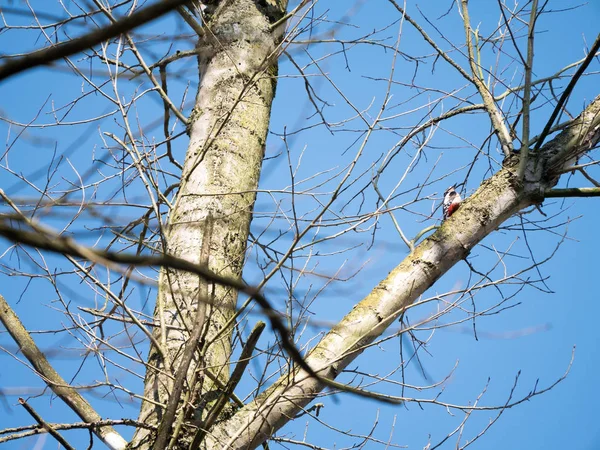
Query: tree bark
[228, 129]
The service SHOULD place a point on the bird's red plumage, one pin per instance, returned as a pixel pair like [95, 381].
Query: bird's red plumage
[452, 207]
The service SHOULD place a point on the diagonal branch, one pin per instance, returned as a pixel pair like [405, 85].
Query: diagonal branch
[239, 370]
[59, 386]
[565, 95]
[73, 46]
[45, 425]
[488, 99]
[497, 199]
[66, 246]
[164, 429]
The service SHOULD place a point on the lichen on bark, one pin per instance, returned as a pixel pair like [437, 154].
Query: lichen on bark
[227, 129]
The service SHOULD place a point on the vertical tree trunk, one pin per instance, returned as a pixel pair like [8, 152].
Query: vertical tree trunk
[213, 210]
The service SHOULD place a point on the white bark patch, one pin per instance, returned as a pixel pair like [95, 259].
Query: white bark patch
[114, 441]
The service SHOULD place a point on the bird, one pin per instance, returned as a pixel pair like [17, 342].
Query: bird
[451, 203]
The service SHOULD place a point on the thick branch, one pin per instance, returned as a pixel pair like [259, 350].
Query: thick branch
[164, 429]
[44, 240]
[73, 46]
[580, 136]
[238, 372]
[497, 199]
[59, 386]
[573, 192]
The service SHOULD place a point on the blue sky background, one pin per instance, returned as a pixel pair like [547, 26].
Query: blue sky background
[535, 338]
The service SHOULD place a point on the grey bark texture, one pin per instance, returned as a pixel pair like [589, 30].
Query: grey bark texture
[227, 130]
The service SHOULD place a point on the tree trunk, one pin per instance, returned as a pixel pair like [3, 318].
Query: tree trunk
[210, 220]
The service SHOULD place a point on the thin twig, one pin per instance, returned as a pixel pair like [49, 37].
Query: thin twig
[164, 429]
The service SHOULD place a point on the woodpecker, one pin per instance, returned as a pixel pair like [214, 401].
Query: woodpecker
[451, 202]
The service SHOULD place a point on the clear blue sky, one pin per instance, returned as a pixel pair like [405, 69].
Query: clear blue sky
[535, 337]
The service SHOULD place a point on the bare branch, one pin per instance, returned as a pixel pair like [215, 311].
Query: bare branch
[567, 92]
[45, 425]
[494, 202]
[496, 117]
[59, 386]
[572, 192]
[527, 90]
[231, 385]
[89, 40]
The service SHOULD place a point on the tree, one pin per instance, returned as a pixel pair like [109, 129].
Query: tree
[239, 224]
